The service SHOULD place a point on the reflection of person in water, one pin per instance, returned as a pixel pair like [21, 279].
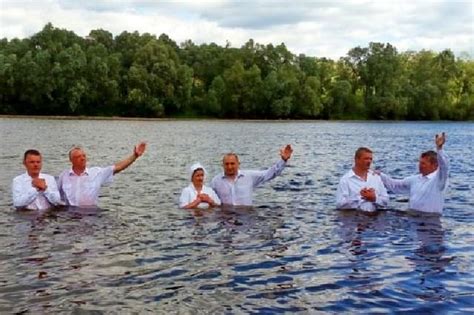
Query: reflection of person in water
[428, 257]
[362, 236]
[353, 225]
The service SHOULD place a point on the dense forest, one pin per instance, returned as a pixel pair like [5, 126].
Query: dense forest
[56, 72]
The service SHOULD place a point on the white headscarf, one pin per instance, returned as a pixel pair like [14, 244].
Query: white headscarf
[195, 167]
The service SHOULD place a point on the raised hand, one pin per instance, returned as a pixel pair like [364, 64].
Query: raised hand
[440, 140]
[286, 152]
[139, 149]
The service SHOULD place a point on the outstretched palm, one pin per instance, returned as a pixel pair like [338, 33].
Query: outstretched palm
[440, 140]
[140, 149]
[286, 152]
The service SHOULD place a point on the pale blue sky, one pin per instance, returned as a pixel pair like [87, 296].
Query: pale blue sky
[315, 28]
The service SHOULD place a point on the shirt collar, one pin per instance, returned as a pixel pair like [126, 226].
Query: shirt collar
[239, 174]
[430, 175]
[369, 173]
[40, 175]
[86, 172]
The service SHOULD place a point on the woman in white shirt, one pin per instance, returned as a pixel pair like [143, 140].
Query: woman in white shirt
[198, 195]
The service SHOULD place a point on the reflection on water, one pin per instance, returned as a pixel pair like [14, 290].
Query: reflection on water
[292, 252]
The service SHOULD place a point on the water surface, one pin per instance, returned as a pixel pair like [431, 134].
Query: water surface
[290, 253]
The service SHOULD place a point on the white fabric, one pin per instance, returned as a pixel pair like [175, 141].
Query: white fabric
[83, 190]
[348, 192]
[426, 192]
[239, 192]
[195, 167]
[28, 197]
[190, 193]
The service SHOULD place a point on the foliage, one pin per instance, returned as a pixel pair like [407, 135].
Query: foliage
[56, 72]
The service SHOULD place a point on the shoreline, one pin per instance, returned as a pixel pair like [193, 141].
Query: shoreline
[121, 118]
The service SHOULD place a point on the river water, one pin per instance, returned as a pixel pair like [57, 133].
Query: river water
[291, 253]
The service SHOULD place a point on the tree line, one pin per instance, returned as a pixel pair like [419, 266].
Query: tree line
[56, 72]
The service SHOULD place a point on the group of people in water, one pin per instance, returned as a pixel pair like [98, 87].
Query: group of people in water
[360, 188]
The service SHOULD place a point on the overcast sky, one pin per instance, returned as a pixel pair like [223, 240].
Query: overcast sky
[315, 28]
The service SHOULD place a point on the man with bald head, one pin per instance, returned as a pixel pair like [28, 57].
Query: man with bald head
[235, 187]
[80, 185]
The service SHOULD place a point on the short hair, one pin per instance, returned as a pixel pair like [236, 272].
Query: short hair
[74, 149]
[431, 155]
[231, 154]
[31, 152]
[361, 150]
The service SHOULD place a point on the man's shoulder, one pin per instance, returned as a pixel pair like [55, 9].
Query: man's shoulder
[64, 173]
[100, 169]
[217, 177]
[20, 177]
[347, 174]
[375, 175]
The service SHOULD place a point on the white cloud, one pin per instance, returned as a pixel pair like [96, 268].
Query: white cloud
[315, 28]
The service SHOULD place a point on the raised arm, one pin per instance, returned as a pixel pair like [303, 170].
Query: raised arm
[398, 186]
[443, 164]
[137, 152]
[260, 177]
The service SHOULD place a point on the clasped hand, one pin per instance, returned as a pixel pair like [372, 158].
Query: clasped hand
[368, 194]
[204, 198]
[39, 184]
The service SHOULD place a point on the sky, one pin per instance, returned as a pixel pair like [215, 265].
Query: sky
[315, 28]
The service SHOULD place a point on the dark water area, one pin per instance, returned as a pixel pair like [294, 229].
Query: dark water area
[290, 253]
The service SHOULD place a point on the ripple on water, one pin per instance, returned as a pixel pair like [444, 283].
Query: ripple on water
[292, 253]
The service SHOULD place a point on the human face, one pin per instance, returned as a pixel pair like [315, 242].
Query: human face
[78, 159]
[231, 165]
[198, 177]
[364, 161]
[426, 167]
[33, 164]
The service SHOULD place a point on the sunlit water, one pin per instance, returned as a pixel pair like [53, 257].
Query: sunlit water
[293, 252]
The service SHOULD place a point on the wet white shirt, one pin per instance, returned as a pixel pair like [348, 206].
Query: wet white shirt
[239, 192]
[28, 197]
[83, 190]
[190, 193]
[348, 192]
[426, 192]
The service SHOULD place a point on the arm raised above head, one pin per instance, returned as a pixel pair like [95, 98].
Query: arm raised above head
[443, 164]
[440, 140]
[260, 177]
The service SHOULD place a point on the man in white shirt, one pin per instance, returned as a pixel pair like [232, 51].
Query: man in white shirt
[34, 190]
[426, 189]
[235, 186]
[80, 185]
[361, 188]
